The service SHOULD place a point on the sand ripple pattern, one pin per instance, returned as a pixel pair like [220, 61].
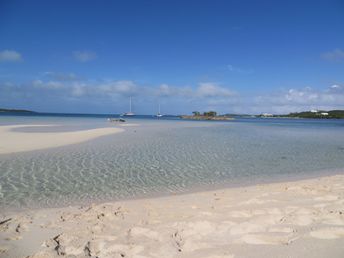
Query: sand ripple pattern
[297, 219]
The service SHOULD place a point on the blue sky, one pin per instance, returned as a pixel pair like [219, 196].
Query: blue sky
[229, 56]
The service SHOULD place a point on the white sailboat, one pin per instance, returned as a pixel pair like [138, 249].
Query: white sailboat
[159, 114]
[130, 113]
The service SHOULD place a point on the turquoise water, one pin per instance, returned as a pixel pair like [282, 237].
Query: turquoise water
[163, 156]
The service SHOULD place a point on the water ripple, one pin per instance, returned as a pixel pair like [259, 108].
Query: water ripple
[164, 158]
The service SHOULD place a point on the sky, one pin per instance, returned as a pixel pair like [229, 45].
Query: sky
[229, 56]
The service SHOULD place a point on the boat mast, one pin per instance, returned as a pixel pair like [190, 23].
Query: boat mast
[130, 104]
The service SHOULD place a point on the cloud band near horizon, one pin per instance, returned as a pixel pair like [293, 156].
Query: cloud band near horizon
[104, 96]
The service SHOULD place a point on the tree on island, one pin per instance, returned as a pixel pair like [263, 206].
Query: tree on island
[196, 113]
[210, 113]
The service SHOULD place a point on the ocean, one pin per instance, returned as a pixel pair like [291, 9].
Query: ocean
[164, 156]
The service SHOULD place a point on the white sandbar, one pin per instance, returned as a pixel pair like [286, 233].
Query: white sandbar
[12, 141]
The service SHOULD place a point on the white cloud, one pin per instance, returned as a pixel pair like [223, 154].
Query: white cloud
[202, 97]
[62, 76]
[336, 86]
[123, 88]
[164, 90]
[335, 55]
[307, 98]
[78, 89]
[10, 56]
[203, 90]
[169, 91]
[206, 96]
[51, 85]
[112, 93]
[209, 89]
[37, 83]
[235, 69]
[84, 56]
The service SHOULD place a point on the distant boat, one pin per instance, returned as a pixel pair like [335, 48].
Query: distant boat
[130, 113]
[159, 114]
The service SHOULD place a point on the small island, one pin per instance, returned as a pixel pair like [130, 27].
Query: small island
[211, 115]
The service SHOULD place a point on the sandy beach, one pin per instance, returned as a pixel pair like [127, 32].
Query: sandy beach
[285, 219]
[291, 219]
[171, 129]
[12, 142]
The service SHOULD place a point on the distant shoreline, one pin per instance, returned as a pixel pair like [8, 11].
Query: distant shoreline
[201, 117]
[319, 114]
[16, 110]
[313, 114]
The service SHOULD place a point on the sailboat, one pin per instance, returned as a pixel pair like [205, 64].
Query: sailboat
[159, 114]
[130, 113]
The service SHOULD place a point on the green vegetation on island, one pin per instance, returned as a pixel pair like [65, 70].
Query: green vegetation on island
[314, 114]
[15, 110]
[210, 115]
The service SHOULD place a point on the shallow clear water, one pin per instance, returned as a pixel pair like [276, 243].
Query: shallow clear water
[163, 156]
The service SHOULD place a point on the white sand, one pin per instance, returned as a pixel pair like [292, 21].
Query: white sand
[12, 141]
[292, 219]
